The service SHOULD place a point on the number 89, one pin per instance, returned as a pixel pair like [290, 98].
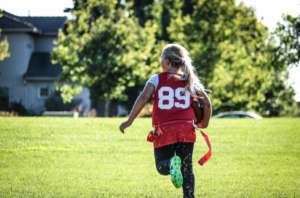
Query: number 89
[170, 98]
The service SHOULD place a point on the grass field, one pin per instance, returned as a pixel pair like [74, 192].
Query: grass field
[66, 157]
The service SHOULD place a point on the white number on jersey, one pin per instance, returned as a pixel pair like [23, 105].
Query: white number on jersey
[185, 97]
[170, 98]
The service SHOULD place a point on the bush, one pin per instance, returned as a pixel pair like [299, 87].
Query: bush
[8, 114]
[146, 111]
[18, 108]
[55, 103]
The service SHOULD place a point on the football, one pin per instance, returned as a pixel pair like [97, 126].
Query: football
[198, 111]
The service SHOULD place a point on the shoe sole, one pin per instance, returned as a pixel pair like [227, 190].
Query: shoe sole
[177, 176]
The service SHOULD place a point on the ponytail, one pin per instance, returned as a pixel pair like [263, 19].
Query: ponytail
[179, 57]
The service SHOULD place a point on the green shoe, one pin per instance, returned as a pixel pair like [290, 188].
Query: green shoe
[175, 171]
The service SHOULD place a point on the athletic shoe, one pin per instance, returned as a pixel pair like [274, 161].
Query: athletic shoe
[175, 171]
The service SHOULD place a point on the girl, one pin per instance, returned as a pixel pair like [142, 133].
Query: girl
[173, 117]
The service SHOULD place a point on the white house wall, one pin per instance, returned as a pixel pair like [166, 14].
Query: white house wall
[21, 45]
[84, 96]
[35, 103]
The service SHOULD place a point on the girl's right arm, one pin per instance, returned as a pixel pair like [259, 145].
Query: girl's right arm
[204, 100]
[138, 105]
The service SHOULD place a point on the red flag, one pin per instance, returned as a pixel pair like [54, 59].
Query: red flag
[206, 157]
[153, 135]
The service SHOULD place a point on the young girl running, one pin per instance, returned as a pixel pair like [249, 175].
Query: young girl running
[173, 117]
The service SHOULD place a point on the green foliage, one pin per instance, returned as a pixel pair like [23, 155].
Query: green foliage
[142, 10]
[4, 98]
[89, 157]
[4, 49]
[68, 91]
[234, 58]
[213, 26]
[11, 108]
[288, 50]
[234, 54]
[160, 12]
[103, 50]
[18, 108]
[3, 46]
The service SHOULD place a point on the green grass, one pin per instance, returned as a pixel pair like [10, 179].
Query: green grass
[66, 157]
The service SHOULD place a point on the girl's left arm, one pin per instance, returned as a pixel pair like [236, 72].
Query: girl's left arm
[138, 105]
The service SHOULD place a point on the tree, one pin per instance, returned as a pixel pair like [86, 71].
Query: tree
[103, 50]
[141, 10]
[160, 12]
[3, 46]
[241, 85]
[234, 57]
[234, 54]
[212, 24]
[288, 50]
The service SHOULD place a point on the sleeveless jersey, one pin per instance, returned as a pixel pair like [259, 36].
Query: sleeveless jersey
[170, 102]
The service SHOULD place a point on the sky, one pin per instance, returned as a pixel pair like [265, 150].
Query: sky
[267, 11]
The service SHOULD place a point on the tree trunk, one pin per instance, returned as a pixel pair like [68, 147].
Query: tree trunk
[107, 104]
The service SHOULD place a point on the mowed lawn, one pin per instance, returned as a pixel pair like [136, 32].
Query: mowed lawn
[67, 157]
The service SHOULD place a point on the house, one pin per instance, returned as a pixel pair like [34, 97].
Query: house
[28, 76]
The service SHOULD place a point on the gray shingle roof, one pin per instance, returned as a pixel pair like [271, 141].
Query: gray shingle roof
[47, 24]
[13, 22]
[6, 22]
[36, 24]
[40, 66]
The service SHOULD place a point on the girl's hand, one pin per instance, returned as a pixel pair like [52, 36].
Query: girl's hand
[124, 125]
[201, 125]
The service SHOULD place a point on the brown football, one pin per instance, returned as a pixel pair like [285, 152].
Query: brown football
[198, 111]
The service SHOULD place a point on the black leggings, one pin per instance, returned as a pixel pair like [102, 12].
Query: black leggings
[185, 152]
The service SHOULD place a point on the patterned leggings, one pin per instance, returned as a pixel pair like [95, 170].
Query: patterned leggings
[185, 152]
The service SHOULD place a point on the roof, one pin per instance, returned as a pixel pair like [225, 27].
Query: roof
[10, 21]
[40, 25]
[47, 24]
[40, 67]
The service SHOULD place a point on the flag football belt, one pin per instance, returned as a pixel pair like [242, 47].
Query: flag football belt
[157, 133]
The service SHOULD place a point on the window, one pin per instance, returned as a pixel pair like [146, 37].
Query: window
[235, 116]
[4, 99]
[245, 116]
[230, 116]
[44, 92]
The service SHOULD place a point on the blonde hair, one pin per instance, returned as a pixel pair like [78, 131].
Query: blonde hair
[179, 58]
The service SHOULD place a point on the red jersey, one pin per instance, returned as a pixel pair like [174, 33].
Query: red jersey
[170, 102]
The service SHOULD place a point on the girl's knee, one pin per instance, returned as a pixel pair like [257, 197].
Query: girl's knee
[161, 170]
